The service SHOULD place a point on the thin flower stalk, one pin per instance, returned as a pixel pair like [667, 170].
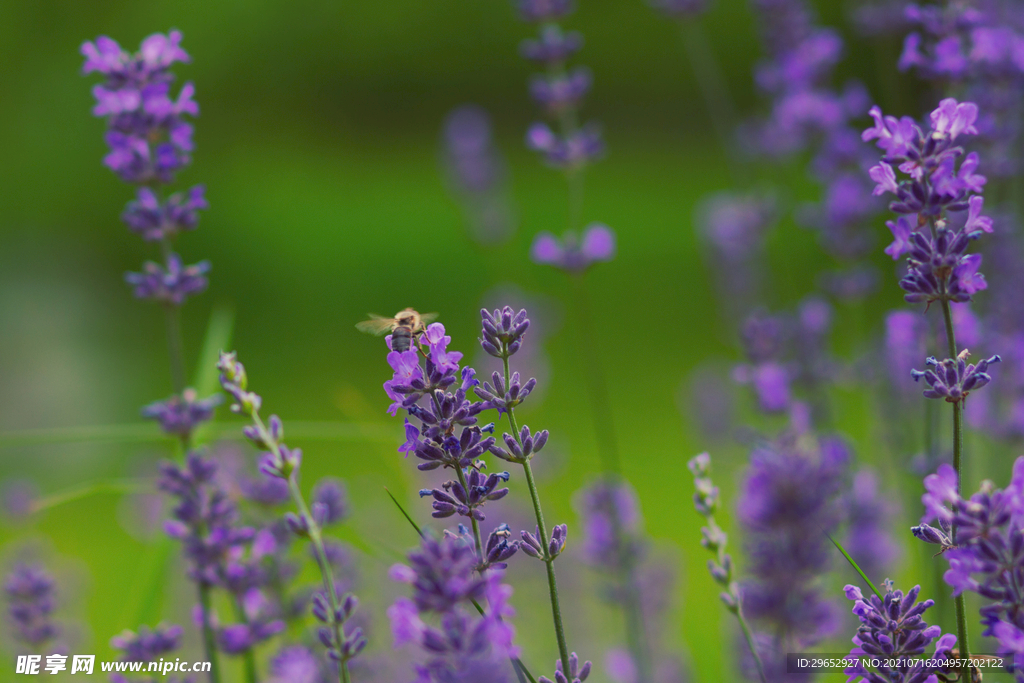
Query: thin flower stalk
[283, 463]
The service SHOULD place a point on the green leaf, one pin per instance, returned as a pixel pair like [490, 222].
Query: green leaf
[854, 565]
[408, 518]
[89, 489]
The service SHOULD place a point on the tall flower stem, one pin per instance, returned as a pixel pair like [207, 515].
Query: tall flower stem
[315, 537]
[249, 658]
[209, 643]
[958, 447]
[176, 352]
[549, 562]
[607, 445]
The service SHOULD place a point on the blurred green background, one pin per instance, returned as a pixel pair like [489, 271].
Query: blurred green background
[318, 142]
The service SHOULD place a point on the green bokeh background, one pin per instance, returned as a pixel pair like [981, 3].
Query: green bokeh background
[318, 142]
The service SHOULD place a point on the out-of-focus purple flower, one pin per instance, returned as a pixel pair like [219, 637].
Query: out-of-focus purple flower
[18, 497]
[147, 133]
[155, 221]
[552, 45]
[894, 628]
[478, 174]
[791, 494]
[905, 334]
[171, 284]
[181, 415]
[558, 93]
[30, 603]
[735, 224]
[443, 575]
[148, 644]
[295, 664]
[544, 11]
[954, 379]
[329, 502]
[203, 519]
[573, 254]
[611, 524]
[569, 152]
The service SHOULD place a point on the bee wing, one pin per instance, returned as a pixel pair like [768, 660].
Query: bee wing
[377, 325]
[427, 318]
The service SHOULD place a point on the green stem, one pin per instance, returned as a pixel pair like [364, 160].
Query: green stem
[556, 610]
[958, 446]
[175, 348]
[607, 444]
[715, 93]
[748, 635]
[315, 538]
[465, 487]
[249, 658]
[209, 643]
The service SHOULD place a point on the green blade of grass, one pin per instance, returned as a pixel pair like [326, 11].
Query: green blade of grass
[854, 565]
[404, 513]
[89, 489]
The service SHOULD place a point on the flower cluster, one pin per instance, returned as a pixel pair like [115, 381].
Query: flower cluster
[953, 380]
[790, 496]
[574, 254]
[764, 338]
[986, 555]
[477, 174]
[892, 629]
[30, 598]
[445, 583]
[148, 645]
[976, 49]
[147, 133]
[939, 267]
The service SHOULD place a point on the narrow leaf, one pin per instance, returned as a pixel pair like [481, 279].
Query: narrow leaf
[854, 565]
[407, 517]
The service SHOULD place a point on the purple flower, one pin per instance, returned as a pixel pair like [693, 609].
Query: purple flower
[477, 174]
[569, 152]
[575, 255]
[329, 502]
[295, 664]
[543, 11]
[182, 414]
[893, 629]
[611, 524]
[154, 221]
[561, 92]
[171, 284]
[552, 45]
[148, 644]
[953, 379]
[147, 134]
[30, 604]
[577, 673]
[444, 578]
[789, 496]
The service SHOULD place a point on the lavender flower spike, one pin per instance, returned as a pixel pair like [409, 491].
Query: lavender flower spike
[953, 380]
[893, 629]
[572, 254]
[281, 462]
[705, 500]
[29, 590]
[577, 673]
